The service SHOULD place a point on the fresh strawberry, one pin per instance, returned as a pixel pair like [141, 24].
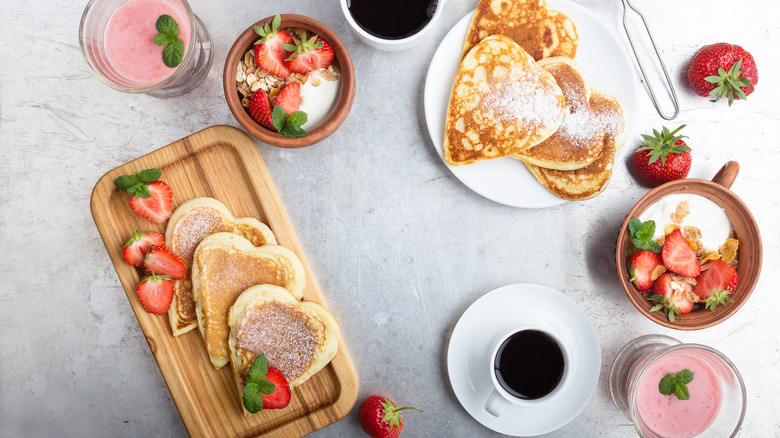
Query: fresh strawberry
[715, 284]
[290, 98]
[270, 53]
[309, 54]
[260, 110]
[664, 157]
[672, 295]
[281, 395]
[152, 198]
[155, 293]
[161, 260]
[138, 245]
[380, 418]
[678, 256]
[641, 266]
[723, 70]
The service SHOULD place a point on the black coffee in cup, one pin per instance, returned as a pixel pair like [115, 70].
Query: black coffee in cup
[529, 364]
[392, 19]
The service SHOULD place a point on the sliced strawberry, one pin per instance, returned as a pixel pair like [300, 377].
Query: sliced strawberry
[260, 110]
[715, 284]
[290, 98]
[136, 247]
[679, 257]
[155, 293]
[309, 54]
[161, 260]
[156, 207]
[641, 266]
[672, 295]
[270, 53]
[281, 395]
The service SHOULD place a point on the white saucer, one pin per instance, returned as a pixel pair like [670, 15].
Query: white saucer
[504, 309]
[506, 180]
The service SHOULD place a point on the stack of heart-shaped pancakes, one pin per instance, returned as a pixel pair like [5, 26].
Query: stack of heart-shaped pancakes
[517, 92]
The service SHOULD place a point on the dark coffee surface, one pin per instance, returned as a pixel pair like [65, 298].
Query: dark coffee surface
[529, 364]
[392, 19]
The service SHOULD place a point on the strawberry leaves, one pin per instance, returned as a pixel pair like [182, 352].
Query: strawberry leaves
[257, 385]
[268, 31]
[729, 84]
[663, 143]
[676, 384]
[168, 36]
[289, 125]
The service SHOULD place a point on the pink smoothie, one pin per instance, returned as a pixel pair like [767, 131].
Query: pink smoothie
[667, 416]
[129, 40]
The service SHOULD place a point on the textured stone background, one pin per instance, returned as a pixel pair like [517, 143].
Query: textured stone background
[400, 247]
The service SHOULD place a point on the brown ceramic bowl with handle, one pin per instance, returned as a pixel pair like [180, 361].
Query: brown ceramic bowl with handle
[749, 255]
[344, 100]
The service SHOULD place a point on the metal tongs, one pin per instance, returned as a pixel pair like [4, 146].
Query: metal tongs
[670, 88]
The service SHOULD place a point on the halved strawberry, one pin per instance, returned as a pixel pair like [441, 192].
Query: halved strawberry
[161, 260]
[136, 247]
[157, 206]
[260, 110]
[679, 257]
[309, 54]
[672, 296]
[155, 292]
[270, 53]
[290, 98]
[715, 284]
[641, 266]
[281, 395]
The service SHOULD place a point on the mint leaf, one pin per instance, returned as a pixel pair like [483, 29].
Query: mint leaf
[136, 184]
[258, 370]
[278, 118]
[298, 118]
[149, 175]
[125, 182]
[252, 398]
[289, 125]
[140, 190]
[267, 387]
[676, 384]
[642, 235]
[168, 36]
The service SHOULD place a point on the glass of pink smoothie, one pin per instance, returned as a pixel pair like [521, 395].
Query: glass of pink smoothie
[717, 403]
[117, 40]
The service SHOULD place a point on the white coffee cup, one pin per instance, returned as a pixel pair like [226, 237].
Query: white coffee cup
[500, 398]
[391, 45]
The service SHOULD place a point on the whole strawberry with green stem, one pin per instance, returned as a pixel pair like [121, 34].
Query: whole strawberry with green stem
[379, 417]
[723, 70]
[663, 157]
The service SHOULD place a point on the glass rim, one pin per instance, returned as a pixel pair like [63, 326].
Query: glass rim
[656, 355]
[168, 81]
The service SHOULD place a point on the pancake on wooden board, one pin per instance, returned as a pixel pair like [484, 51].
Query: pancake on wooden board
[501, 103]
[297, 337]
[541, 32]
[188, 225]
[580, 184]
[591, 120]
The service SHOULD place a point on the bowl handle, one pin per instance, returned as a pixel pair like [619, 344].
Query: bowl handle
[727, 174]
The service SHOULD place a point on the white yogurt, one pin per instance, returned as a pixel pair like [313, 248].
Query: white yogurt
[318, 97]
[705, 215]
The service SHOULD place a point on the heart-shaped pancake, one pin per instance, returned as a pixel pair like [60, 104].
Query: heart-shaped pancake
[501, 103]
[224, 265]
[591, 120]
[188, 225]
[541, 32]
[297, 337]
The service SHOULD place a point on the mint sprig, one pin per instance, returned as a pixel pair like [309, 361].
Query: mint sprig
[642, 235]
[136, 184]
[168, 36]
[256, 385]
[289, 125]
[676, 384]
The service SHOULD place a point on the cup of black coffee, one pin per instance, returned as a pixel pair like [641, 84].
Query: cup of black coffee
[527, 366]
[391, 25]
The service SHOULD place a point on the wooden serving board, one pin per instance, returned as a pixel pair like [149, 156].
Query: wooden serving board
[223, 163]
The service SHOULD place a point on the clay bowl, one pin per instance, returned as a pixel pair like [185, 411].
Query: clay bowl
[749, 253]
[340, 110]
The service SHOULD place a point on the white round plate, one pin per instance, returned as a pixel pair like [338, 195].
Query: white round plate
[507, 180]
[502, 310]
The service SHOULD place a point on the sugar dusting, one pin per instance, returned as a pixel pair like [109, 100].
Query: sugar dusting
[288, 338]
